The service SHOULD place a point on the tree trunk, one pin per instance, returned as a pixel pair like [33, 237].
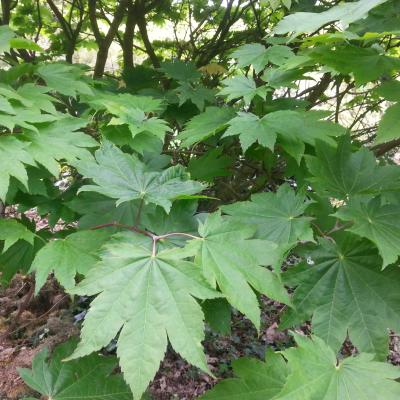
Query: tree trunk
[127, 45]
[104, 43]
[6, 11]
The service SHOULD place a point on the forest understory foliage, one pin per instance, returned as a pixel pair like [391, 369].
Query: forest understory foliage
[225, 202]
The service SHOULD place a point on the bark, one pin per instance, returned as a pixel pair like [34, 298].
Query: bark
[127, 44]
[104, 42]
[5, 11]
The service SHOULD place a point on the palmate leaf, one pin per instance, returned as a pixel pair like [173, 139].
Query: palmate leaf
[292, 128]
[19, 257]
[278, 216]
[210, 165]
[230, 258]
[258, 56]
[242, 86]
[251, 129]
[96, 209]
[346, 292]
[180, 71]
[198, 95]
[342, 174]
[123, 177]
[312, 372]
[89, 378]
[151, 298]
[256, 380]
[315, 373]
[64, 78]
[13, 158]
[366, 64]
[138, 122]
[206, 124]
[77, 253]
[11, 231]
[306, 22]
[388, 126]
[376, 222]
[58, 141]
[25, 118]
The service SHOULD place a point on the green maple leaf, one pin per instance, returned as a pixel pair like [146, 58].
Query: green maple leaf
[230, 258]
[123, 177]
[6, 34]
[11, 231]
[123, 102]
[256, 380]
[341, 173]
[181, 71]
[13, 158]
[388, 126]
[242, 86]
[197, 95]
[292, 128]
[278, 216]
[88, 378]
[151, 298]
[251, 129]
[206, 124]
[346, 293]
[19, 257]
[258, 56]
[366, 64]
[64, 78]
[96, 209]
[210, 165]
[77, 253]
[29, 95]
[60, 141]
[138, 122]
[37, 97]
[376, 222]
[25, 118]
[181, 218]
[316, 373]
[307, 22]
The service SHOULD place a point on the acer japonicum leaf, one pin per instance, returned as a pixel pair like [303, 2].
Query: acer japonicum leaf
[258, 56]
[124, 177]
[60, 140]
[147, 297]
[316, 373]
[77, 253]
[96, 209]
[292, 129]
[342, 173]
[366, 64]
[307, 22]
[278, 217]
[13, 159]
[346, 293]
[206, 124]
[312, 371]
[11, 231]
[242, 86]
[65, 79]
[230, 258]
[87, 378]
[255, 379]
[377, 222]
